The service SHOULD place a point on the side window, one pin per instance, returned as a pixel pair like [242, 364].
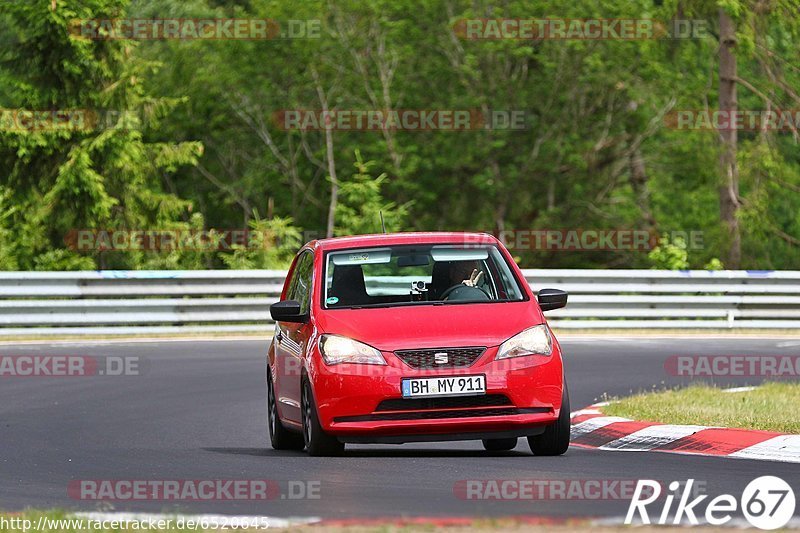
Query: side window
[293, 280]
[300, 287]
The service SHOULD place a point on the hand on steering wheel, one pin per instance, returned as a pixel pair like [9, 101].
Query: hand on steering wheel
[473, 281]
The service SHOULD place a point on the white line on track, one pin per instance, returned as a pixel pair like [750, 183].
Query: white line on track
[105, 342]
[739, 389]
[581, 412]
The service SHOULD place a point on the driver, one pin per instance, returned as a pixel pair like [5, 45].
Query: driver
[468, 273]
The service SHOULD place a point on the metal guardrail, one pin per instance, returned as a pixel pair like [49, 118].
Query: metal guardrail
[219, 301]
[674, 299]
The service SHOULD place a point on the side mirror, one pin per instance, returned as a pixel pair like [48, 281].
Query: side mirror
[550, 299]
[287, 311]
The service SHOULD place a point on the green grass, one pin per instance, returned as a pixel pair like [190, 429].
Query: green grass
[771, 407]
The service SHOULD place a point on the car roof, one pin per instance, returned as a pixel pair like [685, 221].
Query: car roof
[394, 239]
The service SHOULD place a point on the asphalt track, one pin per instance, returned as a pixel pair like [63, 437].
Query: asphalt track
[198, 412]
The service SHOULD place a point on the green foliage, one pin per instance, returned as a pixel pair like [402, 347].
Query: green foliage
[670, 255]
[192, 253]
[7, 241]
[60, 259]
[103, 174]
[196, 143]
[272, 245]
[361, 204]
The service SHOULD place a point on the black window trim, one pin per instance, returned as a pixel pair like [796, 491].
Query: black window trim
[300, 257]
[325, 262]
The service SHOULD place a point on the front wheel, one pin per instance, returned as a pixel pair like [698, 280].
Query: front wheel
[317, 442]
[555, 439]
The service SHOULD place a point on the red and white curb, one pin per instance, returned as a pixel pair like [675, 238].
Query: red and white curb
[591, 428]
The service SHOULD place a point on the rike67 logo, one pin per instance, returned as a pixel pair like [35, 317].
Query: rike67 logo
[768, 502]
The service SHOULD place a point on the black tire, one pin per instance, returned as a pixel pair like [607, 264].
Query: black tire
[499, 445]
[317, 442]
[555, 439]
[280, 438]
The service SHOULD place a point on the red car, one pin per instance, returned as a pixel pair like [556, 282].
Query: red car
[414, 337]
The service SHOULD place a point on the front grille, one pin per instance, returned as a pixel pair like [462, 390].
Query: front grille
[455, 402]
[456, 357]
[432, 415]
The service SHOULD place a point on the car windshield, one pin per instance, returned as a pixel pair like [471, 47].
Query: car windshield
[419, 274]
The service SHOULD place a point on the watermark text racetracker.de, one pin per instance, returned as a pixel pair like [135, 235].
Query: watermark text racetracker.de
[781, 120]
[412, 120]
[68, 365]
[195, 29]
[186, 240]
[545, 489]
[595, 239]
[165, 240]
[121, 490]
[293, 366]
[136, 523]
[710, 366]
[576, 29]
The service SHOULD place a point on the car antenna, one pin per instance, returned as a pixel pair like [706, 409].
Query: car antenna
[383, 225]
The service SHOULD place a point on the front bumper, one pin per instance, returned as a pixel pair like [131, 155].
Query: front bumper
[349, 400]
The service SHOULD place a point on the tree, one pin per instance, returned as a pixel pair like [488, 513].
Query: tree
[597, 151]
[729, 188]
[102, 173]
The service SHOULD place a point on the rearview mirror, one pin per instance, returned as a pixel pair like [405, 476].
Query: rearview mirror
[287, 311]
[413, 260]
[550, 299]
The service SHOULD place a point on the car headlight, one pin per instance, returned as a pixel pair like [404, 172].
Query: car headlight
[532, 341]
[336, 349]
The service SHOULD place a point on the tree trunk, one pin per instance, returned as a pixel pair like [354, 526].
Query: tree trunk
[334, 181]
[729, 184]
[638, 179]
[329, 156]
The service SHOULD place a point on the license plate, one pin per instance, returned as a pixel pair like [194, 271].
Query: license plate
[444, 386]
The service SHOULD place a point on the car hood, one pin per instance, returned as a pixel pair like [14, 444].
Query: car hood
[431, 326]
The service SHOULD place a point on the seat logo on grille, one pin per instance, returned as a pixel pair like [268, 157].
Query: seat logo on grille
[440, 358]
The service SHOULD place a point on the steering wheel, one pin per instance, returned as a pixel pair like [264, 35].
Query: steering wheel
[447, 292]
